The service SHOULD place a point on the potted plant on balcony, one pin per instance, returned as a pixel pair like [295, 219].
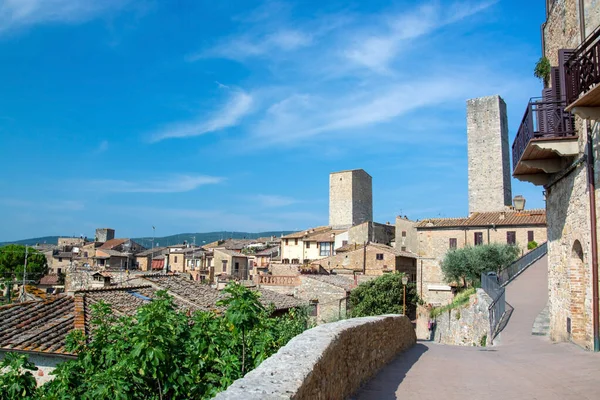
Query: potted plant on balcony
[542, 70]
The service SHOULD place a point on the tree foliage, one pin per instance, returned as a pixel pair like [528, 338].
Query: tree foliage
[16, 381]
[465, 266]
[12, 260]
[382, 295]
[162, 353]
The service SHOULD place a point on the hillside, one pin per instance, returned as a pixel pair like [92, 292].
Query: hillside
[204, 237]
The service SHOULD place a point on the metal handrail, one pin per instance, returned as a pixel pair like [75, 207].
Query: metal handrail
[509, 273]
[582, 69]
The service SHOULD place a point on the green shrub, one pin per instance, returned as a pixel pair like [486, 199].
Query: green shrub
[532, 245]
[382, 295]
[542, 70]
[459, 300]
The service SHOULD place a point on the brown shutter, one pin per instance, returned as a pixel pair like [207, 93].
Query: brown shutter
[567, 81]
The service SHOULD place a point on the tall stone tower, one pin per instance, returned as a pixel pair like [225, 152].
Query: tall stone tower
[350, 198]
[488, 154]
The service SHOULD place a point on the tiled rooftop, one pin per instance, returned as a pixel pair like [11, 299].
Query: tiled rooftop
[343, 282]
[37, 325]
[498, 218]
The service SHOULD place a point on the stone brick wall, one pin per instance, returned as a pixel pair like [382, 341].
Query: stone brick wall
[329, 362]
[567, 202]
[355, 260]
[371, 232]
[467, 325]
[350, 198]
[488, 154]
[410, 240]
[332, 299]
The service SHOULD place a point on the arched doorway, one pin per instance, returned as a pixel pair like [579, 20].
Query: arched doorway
[577, 287]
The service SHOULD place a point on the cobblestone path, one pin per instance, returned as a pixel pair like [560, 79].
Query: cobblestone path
[518, 366]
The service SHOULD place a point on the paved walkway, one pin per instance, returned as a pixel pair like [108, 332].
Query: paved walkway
[519, 366]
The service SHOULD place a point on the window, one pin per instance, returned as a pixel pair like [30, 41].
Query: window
[344, 242]
[325, 249]
[85, 254]
[453, 243]
[286, 242]
[59, 259]
[59, 271]
[403, 248]
[478, 238]
[511, 237]
[175, 259]
[530, 236]
[379, 256]
[308, 245]
[224, 265]
[403, 233]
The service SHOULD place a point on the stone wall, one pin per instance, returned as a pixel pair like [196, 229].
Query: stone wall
[329, 362]
[406, 235]
[467, 325]
[488, 154]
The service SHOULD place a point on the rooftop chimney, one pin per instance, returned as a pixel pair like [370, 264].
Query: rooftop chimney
[519, 203]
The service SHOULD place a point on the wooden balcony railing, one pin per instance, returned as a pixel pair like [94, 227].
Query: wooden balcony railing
[582, 69]
[542, 119]
[278, 280]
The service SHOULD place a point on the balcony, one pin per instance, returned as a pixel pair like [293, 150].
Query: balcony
[546, 136]
[582, 78]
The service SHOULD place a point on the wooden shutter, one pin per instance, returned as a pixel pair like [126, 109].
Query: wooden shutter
[566, 82]
[530, 236]
[511, 237]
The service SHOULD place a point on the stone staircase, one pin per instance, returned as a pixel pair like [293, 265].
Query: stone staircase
[541, 325]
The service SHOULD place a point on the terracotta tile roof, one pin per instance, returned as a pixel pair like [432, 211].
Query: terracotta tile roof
[158, 264]
[498, 218]
[340, 281]
[39, 326]
[278, 300]
[307, 232]
[149, 252]
[112, 243]
[232, 253]
[50, 279]
[267, 252]
[201, 295]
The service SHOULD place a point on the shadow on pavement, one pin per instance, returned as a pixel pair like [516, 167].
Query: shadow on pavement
[383, 386]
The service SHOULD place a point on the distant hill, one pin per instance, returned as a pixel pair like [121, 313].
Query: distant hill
[201, 238]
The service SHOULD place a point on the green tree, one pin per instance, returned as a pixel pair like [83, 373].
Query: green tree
[382, 295]
[17, 382]
[12, 260]
[163, 353]
[465, 266]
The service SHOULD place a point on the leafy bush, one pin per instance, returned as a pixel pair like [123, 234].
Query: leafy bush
[382, 295]
[464, 266]
[161, 353]
[16, 381]
[542, 70]
[459, 300]
[532, 245]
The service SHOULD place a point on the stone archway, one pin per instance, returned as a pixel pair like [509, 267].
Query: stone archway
[577, 287]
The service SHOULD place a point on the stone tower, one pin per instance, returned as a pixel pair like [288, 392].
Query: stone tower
[104, 234]
[488, 154]
[350, 198]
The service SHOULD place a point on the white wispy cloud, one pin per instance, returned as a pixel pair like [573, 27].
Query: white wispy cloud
[274, 200]
[166, 184]
[230, 114]
[245, 46]
[378, 49]
[16, 14]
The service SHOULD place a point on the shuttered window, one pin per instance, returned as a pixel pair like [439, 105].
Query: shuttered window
[478, 238]
[530, 237]
[453, 243]
[511, 237]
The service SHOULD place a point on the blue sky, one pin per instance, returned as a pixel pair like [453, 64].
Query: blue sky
[229, 115]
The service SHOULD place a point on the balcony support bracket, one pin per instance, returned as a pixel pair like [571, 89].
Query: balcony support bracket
[592, 113]
[564, 148]
[549, 165]
[536, 179]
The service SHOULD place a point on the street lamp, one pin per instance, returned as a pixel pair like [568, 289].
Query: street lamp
[404, 283]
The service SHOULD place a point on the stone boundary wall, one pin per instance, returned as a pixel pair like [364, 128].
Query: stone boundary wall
[329, 362]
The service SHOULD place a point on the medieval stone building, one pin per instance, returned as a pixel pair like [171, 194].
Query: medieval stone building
[554, 148]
